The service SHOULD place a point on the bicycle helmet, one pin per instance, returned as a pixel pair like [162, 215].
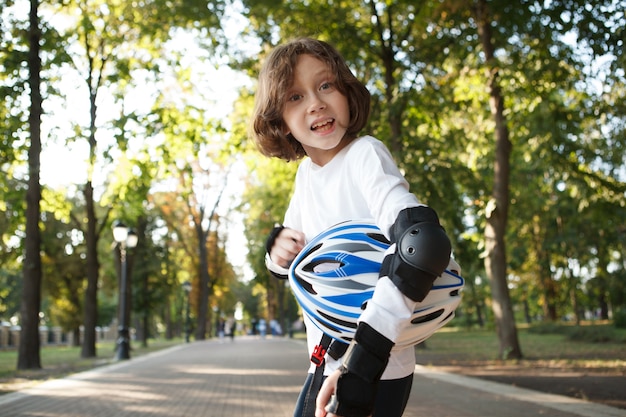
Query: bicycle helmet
[334, 276]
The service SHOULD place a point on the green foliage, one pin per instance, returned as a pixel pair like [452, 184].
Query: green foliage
[596, 334]
[593, 333]
[10, 289]
[480, 348]
[548, 328]
[619, 318]
[424, 65]
[565, 105]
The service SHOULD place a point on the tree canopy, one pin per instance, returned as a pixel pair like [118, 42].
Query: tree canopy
[507, 118]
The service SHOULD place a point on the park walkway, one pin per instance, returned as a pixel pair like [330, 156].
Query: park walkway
[252, 377]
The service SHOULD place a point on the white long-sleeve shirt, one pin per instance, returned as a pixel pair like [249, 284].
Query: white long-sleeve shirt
[361, 182]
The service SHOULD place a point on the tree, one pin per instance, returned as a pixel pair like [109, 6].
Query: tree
[28, 356]
[193, 205]
[265, 201]
[63, 262]
[114, 40]
[497, 210]
[558, 67]
[446, 77]
[386, 48]
[14, 143]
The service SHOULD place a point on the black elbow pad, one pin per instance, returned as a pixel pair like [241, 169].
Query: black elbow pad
[422, 252]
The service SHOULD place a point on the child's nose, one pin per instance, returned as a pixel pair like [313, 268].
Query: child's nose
[316, 104]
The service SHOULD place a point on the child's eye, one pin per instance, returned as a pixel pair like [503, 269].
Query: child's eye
[326, 86]
[294, 97]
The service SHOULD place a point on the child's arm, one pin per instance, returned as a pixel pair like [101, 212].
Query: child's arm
[419, 253]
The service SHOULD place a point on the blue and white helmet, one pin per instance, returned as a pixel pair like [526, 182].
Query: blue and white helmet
[334, 277]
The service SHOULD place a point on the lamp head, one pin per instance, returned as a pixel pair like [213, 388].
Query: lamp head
[120, 231]
[131, 239]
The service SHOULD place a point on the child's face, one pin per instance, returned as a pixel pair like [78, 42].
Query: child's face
[316, 113]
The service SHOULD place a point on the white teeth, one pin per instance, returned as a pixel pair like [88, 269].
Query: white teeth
[321, 124]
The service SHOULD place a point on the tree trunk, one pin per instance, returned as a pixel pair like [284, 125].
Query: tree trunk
[527, 316]
[602, 281]
[575, 306]
[76, 337]
[498, 207]
[479, 315]
[91, 293]
[546, 283]
[167, 318]
[394, 112]
[203, 273]
[145, 324]
[91, 238]
[28, 355]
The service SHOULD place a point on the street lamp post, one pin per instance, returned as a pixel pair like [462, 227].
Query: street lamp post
[126, 238]
[187, 289]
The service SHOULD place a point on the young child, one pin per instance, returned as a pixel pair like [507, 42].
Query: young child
[310, 104]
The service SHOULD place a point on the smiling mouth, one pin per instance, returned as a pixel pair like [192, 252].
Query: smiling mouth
[322, 126]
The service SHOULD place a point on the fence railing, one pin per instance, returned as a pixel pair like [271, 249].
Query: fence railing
[50, 336]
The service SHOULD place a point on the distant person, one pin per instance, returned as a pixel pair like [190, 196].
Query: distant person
[233, 328]
[230, 328]
[221, 328]
[262, 327]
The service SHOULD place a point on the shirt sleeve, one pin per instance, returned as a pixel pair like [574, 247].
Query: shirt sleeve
[387, 193]
[276, 270]
[379, 180]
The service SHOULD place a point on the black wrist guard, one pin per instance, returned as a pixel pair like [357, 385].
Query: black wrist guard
[363, 365]
[272, 237]
[354, 397]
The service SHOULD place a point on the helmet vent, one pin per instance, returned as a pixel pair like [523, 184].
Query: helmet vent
[428, 317]
[379, 237]
[328, 326]
[321, 266]
[335, 320]
[449, 316]
[306, 286]
[310, 251]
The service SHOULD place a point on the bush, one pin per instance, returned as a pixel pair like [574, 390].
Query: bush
[593, 334]
[619, 318]
[548, 327]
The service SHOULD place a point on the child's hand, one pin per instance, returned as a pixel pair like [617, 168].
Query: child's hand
[287, 245]
[326, 392]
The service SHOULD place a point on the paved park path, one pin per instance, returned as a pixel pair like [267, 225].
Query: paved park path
[253, 377]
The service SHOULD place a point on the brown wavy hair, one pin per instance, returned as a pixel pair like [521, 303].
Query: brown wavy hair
[267, 127]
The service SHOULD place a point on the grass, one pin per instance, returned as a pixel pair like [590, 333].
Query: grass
[59, 361]
[453, 346]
